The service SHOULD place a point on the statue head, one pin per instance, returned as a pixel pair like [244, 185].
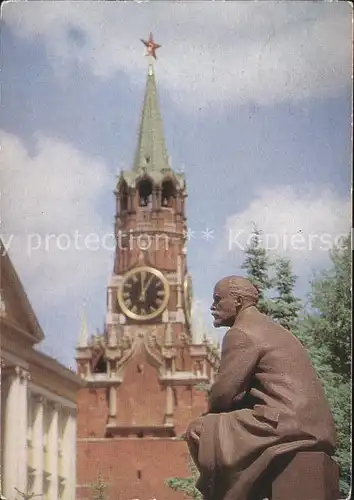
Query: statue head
[232, 295]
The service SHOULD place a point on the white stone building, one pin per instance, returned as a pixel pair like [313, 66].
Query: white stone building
[38, 403]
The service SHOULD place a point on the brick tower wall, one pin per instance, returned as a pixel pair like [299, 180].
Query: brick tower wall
[133, 468]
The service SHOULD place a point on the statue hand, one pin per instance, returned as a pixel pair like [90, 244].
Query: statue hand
[194, 430]
[192, 437]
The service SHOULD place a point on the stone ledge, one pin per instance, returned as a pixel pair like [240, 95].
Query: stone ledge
[140, 431]
[103, 381]
[183, 378]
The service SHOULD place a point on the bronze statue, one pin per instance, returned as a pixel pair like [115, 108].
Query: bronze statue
[266, 400]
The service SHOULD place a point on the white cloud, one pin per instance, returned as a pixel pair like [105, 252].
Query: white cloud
[212, 51]
[302, 224]
[48, 208]
[202, 322]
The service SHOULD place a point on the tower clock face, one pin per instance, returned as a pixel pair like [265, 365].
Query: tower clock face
[188, 297]
[144, 293]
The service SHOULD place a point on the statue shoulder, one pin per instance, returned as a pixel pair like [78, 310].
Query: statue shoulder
[237, 336]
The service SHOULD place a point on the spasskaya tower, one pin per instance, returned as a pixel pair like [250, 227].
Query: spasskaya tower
[143, 370]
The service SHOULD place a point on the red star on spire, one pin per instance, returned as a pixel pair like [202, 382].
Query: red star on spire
[151, 46]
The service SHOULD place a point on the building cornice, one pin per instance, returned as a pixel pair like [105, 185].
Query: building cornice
[42, 360]
[7, 268]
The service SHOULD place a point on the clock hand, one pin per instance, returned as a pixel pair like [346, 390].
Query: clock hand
[144, 288]
[142, 291]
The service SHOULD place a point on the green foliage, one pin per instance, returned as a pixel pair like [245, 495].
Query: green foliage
[186, 484]
[286, 306]
[338, 392]
[326, 333]
[99, 489]
[202, 387]
[331, 298]
[256, 265]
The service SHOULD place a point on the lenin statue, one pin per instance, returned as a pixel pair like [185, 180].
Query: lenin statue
[266, 400]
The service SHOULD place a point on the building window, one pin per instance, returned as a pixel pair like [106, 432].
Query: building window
[45, 429]
[124, 197]
[30, 422]
[30, 478]
[62, 423]
[2, 303]
[101, 365]
[61, 490]
[46, 487]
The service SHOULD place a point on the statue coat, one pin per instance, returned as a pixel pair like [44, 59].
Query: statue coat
[266, 401]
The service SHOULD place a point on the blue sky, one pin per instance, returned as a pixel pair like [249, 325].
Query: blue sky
[256, 105]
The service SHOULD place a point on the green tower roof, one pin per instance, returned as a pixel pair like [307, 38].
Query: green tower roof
[151, 157]
[151, 154]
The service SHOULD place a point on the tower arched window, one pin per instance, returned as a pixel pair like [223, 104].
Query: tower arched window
[145, 193]
[124, 197]
[100, 366]
[168, 194]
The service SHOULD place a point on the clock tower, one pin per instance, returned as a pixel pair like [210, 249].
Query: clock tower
[143, 371]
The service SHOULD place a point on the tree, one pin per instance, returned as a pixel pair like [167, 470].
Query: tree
[257, 266]
[286, 306]
[326, 333]
[331, 299]
[338, 392]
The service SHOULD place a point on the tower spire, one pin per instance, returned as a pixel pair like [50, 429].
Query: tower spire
[151, 154]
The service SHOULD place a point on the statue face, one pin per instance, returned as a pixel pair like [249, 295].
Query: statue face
[224, 306]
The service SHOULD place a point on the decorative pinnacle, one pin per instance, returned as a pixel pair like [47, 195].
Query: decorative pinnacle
[84, 335]
[151, 46]
[169, 335]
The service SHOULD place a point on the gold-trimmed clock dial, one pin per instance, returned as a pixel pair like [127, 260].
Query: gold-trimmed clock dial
[188, 297]
[144, 293]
